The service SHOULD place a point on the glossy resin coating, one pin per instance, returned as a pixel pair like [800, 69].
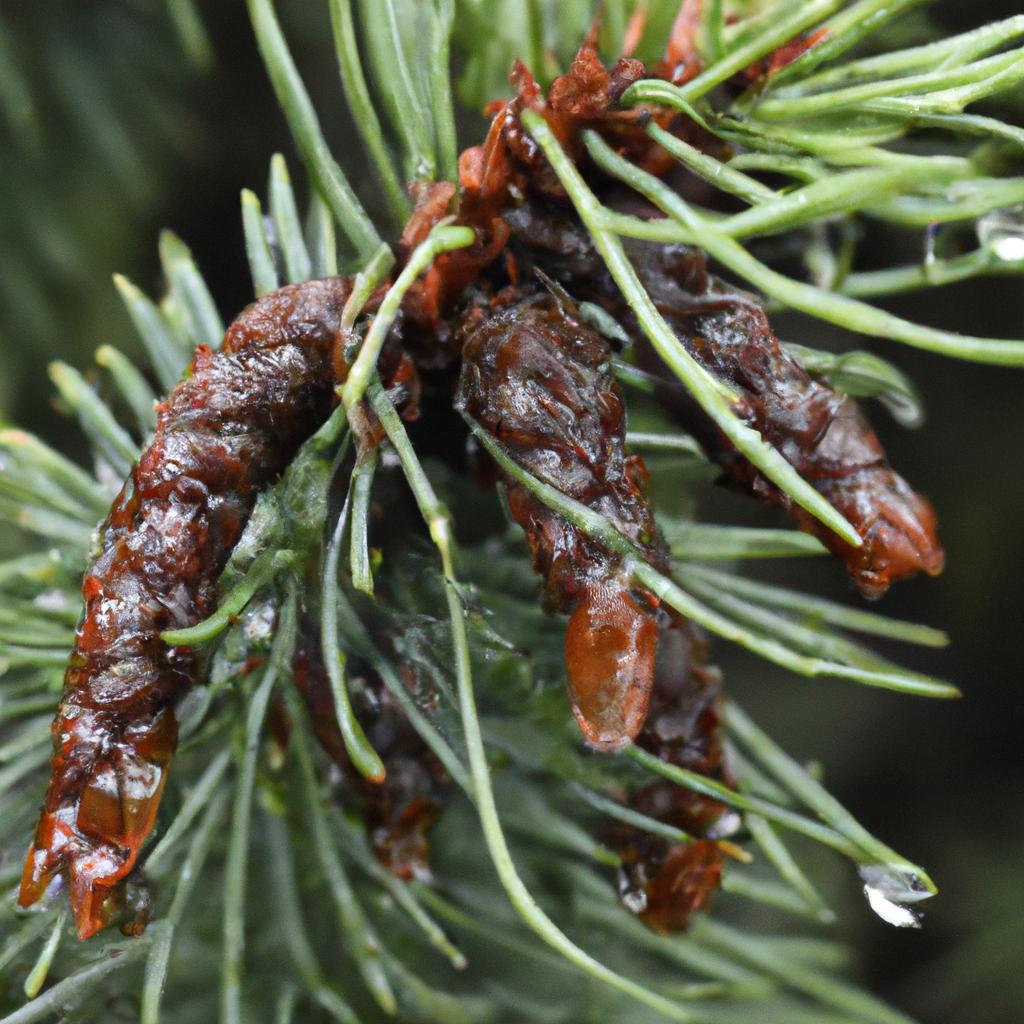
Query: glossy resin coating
[660, 881]
[539, 380]
[822, 433]
[225, 432]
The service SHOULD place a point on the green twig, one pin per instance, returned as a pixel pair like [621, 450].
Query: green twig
[944, 90]
[952, 50]
[626, 814]
[189, 292]
[792, 776]
[845, 30]
[293, 929]
[782, 860]
[263, 569]
[113, 442]
[164, 931]
[720, 174]
[817, 609]
[394, 71]
[354, 839]
[784, 643]
[361, 485]
[188, 24]
[257, 248]
[682, 444]
[364, 941]
[67, 994]
[359, 638]
[366, 283]
[931, 274]
[750, 804]
[761, 955]
[58, 469]
[37, 976]
[704, 542]
[201, 795]
[168, 355]
[320, 238]
[132, 385]
[442, 22]
[23, 937]
[155, 977]
[443, 238]
[780, 30]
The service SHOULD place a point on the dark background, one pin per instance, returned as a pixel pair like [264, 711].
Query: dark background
[172, 144]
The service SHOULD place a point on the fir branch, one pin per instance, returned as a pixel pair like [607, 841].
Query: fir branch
[824, 124]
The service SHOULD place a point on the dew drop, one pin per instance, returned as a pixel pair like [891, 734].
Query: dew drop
[1002, 232]
[259, 623]
[891, 912]
[889, 888]
[633, 896]
[727, 825]
[635, 900]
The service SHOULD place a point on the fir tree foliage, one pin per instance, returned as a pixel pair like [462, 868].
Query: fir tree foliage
[265, 900]
[92, 107]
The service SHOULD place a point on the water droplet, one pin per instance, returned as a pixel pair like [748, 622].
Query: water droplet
[727, 825]
[635, 900]
[632, 894]
[259, 624]
[889, 887]
[1002, 231]
[892, 913]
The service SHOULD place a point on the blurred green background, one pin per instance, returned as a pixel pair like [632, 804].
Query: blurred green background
[115, 121]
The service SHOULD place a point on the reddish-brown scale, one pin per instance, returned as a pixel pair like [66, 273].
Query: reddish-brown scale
[634, 33]
[681, 61]
[399, 811]
[822, 433]
[663, 883]
[683, 728]
[509, 161]
[784, 55]
[587, 96]
[660, 881]
[539, 380]
[223, 434]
